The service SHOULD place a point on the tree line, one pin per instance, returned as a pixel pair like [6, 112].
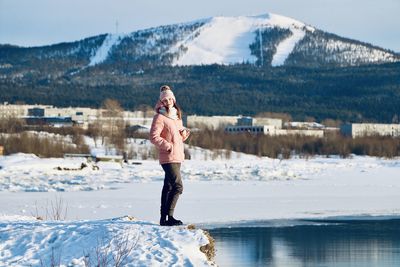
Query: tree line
[354, 94]
[297, 145]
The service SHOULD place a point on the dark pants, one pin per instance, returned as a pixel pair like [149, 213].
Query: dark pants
[172, 188]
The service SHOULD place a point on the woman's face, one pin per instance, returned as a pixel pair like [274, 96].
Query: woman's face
[168, 102]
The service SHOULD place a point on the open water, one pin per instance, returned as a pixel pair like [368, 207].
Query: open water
[355, 243]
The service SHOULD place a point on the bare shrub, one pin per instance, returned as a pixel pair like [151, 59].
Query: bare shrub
[54, 210]
[132, 154]
[58, 209]
[153, 153]
[380, 146]
[110, 253]
[40, 145]
[94, 131]
[66, 130]
[114, 252]
[113, 124]
[215, 154]
[11, 124]
[123, 247]
[228, 154]
[305, 146]
[144, 154]
[78, 140]
[135, 134]
[54, 260]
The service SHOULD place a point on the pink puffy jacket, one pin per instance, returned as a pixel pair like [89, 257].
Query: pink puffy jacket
[165, 135]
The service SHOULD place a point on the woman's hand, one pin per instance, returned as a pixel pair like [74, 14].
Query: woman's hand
[184, 133]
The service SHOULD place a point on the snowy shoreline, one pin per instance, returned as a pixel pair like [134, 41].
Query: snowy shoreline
[244, 188]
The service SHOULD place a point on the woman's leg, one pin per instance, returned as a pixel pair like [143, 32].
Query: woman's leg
[172, 188]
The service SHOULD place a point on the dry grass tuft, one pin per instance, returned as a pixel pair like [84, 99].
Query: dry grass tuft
[209, 249]
[191, 227]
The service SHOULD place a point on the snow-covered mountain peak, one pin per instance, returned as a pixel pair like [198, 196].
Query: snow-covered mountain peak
[272, 19]
[263, 40]
[215, 40]
[226, 40]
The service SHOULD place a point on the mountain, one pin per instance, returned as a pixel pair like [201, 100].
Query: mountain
[217, 66]
[266, 40]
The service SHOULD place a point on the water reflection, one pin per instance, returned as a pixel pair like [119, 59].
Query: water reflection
[350, 243]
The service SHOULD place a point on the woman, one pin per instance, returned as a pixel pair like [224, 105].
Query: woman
[167, 134]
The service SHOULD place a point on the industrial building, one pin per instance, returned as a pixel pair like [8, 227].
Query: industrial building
[370, 129]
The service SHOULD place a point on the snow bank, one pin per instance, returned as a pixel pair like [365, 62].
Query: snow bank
[72, 243]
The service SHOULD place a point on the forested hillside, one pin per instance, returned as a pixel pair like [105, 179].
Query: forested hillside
[365, 93]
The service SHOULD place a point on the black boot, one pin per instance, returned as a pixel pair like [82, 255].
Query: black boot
[163, 220]
[172, 221]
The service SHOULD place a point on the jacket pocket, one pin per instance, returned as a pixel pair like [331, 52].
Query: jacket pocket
[172, 149]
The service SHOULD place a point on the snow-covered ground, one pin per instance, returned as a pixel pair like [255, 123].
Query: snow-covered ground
[244, 187]
[217, 191]
[122, 241]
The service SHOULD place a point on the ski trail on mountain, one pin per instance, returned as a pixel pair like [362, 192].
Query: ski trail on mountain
[102, 53]
[285, 47]
[222, 41]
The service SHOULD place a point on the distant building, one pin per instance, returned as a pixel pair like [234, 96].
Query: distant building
[36, 112]
[8, 110]
[272, 130]
[79, 115]
[268, 121]
[245, 121]
[268, 126]
[51, 121]
[304, 125]
[220, 122]
[370, 129]
[210, 122]
[247, 129]
[139, 119]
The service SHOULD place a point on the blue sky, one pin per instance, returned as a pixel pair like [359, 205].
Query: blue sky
[40, 22]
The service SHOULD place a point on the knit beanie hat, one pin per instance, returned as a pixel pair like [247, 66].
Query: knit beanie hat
[165, 92]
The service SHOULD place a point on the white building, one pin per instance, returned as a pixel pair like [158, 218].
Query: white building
[210, 122]
[370, 129]
[268, 121]
[271, 130]
[8, 110]
[304, 125]
[133, 118]
[220, 122]
[268, 126]
[80, 115]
